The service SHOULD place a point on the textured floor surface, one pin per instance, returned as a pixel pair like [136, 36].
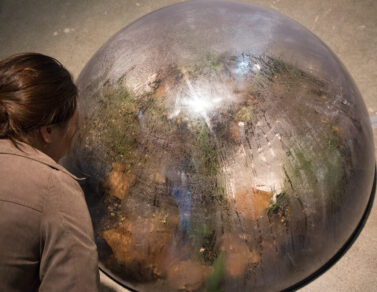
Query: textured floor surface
[72, 31]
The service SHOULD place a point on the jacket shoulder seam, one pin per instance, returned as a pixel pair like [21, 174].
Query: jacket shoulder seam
[23, 204]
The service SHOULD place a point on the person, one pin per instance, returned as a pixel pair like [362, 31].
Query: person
[46, 234]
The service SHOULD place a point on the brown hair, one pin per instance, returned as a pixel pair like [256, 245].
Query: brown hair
[35, 91]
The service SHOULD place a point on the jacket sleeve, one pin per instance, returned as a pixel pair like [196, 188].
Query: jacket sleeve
[69, 260]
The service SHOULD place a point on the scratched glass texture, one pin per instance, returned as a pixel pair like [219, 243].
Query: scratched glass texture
[225, 148]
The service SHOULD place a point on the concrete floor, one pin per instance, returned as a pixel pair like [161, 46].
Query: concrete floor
[72, 31]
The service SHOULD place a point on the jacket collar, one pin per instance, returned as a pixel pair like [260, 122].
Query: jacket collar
[29, 152]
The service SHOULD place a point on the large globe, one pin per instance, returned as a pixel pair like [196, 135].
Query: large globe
[225, 148]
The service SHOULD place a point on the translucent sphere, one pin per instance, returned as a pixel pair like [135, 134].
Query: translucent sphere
[225, 147]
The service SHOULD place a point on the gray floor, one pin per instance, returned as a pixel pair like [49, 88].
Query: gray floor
[72, 31]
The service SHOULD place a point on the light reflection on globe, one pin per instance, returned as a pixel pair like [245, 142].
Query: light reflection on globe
[225, 147]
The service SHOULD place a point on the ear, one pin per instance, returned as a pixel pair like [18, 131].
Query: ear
[46, 133]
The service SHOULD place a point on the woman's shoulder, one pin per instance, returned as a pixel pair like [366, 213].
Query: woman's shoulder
[30, 177]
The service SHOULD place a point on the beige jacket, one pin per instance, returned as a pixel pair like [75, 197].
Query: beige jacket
[46, 235]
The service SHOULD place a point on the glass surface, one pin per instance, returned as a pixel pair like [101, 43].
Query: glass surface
[225, 147]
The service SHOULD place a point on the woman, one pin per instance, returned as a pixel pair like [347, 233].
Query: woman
[46, 235]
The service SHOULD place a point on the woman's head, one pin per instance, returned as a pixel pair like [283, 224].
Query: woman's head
[38, 103]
